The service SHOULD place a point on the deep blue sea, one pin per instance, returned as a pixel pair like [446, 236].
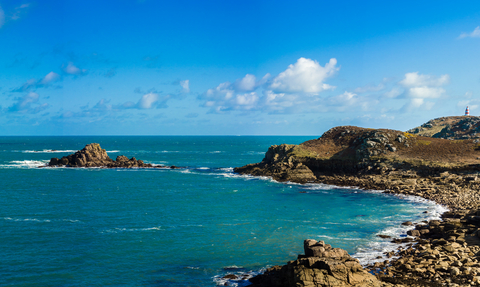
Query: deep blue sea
[184, 227]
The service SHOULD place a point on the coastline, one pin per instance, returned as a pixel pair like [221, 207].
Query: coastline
[450, 191]
[437, 252]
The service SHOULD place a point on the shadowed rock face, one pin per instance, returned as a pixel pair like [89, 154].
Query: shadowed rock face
[321, 266]
[92, 155]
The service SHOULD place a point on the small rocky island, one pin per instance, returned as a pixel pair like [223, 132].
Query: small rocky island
[439, 161]
[92, 155]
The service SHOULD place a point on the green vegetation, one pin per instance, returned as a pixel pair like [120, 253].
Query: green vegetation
[301, 152]
[408, 135]
[423, 142]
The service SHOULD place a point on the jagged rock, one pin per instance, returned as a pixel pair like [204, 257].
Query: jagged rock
[92, 155]
[321, 266]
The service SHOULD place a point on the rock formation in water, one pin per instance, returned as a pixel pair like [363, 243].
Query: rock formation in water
[321, 266]
[92, 155]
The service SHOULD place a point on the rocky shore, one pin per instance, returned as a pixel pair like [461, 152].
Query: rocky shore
[92, 155]
[439, 252]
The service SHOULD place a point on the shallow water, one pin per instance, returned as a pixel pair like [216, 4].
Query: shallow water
[187, 227]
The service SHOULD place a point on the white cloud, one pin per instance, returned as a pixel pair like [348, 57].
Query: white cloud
[185, 86]
[416, 103]
[474, 34]
[424, 86]
[247, 83]
[288, 92]
[305, 75]
[425, 92]
[394, 92]
[24, 104]
[73, 70]
[237, 96]
[147, 101]
[416, 80]
[50, 78]
[34, 84]
[224, 98]
[345, 99]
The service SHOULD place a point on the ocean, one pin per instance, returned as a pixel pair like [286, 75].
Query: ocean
[183, 227]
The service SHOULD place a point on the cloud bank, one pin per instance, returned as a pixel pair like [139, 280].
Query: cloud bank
[284, 93]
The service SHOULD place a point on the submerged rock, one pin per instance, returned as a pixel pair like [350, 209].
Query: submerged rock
[92, 155]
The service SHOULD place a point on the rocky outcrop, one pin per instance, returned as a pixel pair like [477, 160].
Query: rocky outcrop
[339, 150]
[92, 155]
[453, 128]
[282, 163]
[321, 266]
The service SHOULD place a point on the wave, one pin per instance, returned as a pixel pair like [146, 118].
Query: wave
[39, 220]
[118, 229]
[339, 238]
[49, 151]
[59, 151]
[24, 164]
[26, 219]
[377, 247]
[236, 276]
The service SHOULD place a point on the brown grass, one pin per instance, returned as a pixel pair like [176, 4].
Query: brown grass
[421, 151]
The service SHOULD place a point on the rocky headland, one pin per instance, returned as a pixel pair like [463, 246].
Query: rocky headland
[450, 128]
[444, 168]
[92, 155]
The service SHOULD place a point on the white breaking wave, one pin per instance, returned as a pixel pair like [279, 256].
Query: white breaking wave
[339, 238]
[116, 230]
[26, 219]
[376, 246]
[24, 164]
[38, 220]
[49, 151]
[241, 277]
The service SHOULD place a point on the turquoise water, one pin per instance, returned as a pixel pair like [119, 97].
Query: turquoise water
[186, 227]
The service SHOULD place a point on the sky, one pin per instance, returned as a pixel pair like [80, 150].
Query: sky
[234, 67]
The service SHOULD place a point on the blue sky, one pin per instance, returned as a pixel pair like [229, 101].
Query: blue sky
[234, 67]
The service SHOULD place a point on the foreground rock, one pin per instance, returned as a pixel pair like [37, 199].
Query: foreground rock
[446, 253]
[321, 266]
[92, 155]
